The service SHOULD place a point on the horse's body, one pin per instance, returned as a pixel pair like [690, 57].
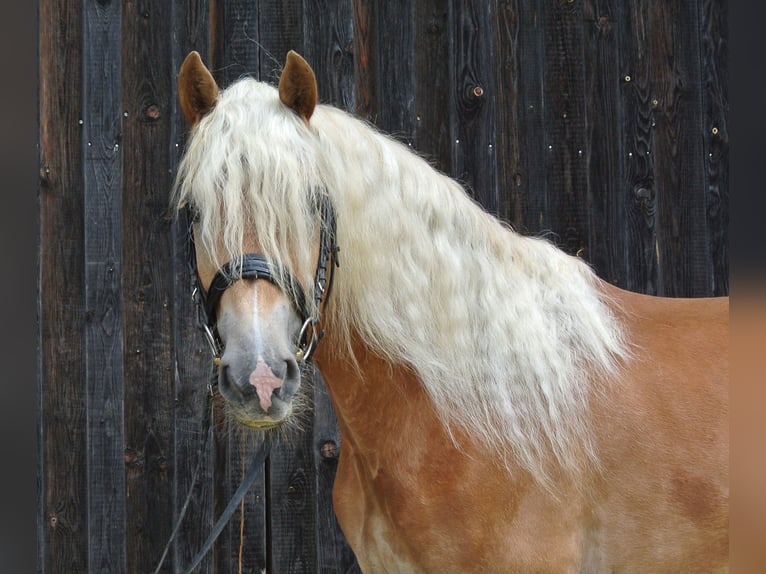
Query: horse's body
[501, 409]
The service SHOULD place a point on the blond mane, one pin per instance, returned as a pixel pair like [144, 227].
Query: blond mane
[506, 333]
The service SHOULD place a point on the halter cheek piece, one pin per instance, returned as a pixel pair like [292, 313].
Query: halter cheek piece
[256, 266]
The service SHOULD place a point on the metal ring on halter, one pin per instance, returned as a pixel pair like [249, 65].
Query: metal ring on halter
[304, 351]
[206, 330]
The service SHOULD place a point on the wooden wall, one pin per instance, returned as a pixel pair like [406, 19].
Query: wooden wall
[602, 124]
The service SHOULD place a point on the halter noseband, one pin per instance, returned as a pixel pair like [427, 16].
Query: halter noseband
[256, 266]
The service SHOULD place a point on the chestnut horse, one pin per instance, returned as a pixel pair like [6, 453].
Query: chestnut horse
[501, 408]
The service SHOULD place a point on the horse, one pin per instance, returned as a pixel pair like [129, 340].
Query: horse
[501, 409]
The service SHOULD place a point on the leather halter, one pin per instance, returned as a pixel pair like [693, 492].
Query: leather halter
[256, 266]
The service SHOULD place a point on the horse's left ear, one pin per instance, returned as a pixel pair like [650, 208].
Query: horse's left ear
[298, 86]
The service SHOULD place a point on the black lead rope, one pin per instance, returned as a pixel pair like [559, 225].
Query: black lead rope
[247, 482]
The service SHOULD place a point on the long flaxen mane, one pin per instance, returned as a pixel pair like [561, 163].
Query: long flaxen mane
[505, 332]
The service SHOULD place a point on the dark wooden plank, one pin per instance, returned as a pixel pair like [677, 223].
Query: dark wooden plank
[431, 29]
[604, 148]
[191, 362]
[147, 281]
[522, 140]
[291, 490]
[365, 94]
[103, 340]
[682, 242]
[395, 81]
[328, 45]
[639, 169]
[62, 516]
[243, 546]
[565, 125]
[473, 122]
[715, 97]
[234, 51]
[280, 27]
[333, 553]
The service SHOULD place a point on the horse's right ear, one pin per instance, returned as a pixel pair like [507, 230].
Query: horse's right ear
[197, 90]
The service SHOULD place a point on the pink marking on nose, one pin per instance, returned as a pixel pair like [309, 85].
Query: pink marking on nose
[264, 382]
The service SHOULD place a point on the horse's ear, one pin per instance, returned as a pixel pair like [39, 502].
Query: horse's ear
[197, 90]
[298, 86]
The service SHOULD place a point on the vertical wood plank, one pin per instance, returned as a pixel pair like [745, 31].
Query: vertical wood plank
[395, 73]
[637, 100]
[715, 97]
[328, 43]
[682, 245]
[365, 96]
[292, 491]
[333, 552]
[147, 281]
[191, 362]
[62, 516]
[474, 131]
[280, 29]
[565, 124]
[604, 147]
[104, 368]
[431, 31]
[522, 138]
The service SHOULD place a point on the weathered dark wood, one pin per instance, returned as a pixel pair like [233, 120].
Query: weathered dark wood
[280, 29]
[522, 144]
[243, 545]
[433, 90]
[292, 493]
[147, 282]
[394, 69]
[333, 552]
[474, 129]
[638, 99]
[365, 96]
[683, 246]
[191, 362]
[328, 44]
[604, 144]
[62, 515]
[565, 120]
[103, 338]
[715, 97]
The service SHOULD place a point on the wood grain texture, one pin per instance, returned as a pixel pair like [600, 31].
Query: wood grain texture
[523, 142]
[291, 491]
[474, 129]
[637, 102]
[565, 118]
[432, 87]
[394, 49]
[715, 98]
[191, 361]
[606, 192]
[62, 534]
[104, 323]
[328, 44]
[682, 242]
[147, 282]
[365, 96]
[333, 552]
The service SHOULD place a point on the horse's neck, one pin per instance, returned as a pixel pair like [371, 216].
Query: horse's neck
[374, 401]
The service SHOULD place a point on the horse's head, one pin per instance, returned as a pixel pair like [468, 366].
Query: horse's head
[258, 282]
